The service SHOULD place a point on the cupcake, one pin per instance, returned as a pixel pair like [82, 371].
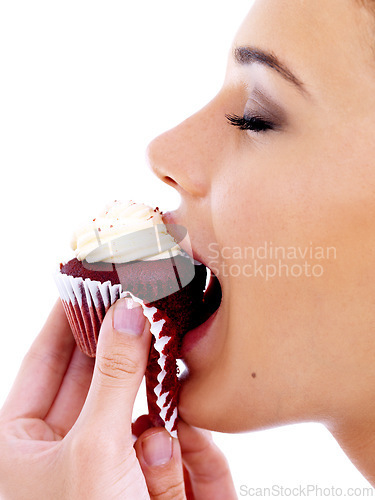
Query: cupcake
[127, 251]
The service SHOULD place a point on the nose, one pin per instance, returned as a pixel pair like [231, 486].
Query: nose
[184, 156]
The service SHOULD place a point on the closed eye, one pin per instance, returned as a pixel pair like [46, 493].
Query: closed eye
[254, 123]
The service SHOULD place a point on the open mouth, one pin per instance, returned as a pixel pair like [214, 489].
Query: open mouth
[211, 299]
[212, 294]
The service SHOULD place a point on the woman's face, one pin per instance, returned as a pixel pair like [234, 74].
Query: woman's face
[290, 341]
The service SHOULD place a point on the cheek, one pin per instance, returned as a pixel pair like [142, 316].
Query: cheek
[305, 204]
[256, 205]
[294, 196]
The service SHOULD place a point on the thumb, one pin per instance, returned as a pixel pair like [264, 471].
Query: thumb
[121, 359]
[159, 456]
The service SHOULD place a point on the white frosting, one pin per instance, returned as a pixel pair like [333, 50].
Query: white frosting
[124, 232]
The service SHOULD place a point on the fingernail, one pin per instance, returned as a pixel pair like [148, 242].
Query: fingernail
[157, 448]
[128, 317]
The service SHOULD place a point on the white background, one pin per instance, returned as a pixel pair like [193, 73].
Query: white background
[84, 87]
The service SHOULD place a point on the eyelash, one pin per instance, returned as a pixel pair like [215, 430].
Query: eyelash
[254, 123]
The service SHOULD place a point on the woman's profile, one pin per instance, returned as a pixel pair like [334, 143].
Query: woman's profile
[277, 184]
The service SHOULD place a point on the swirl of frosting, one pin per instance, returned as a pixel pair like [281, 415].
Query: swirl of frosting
[124, 232]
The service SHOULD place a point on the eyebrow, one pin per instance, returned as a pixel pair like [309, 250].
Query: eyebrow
[249, 55]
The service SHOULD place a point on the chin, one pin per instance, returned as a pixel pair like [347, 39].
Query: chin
[205, 403]
[193, 415]
[206, 409]
[190, 411]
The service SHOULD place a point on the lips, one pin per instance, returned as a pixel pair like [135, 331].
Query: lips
[213, 292]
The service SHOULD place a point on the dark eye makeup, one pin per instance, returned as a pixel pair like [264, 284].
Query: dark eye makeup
[261, 114]
[254, 123]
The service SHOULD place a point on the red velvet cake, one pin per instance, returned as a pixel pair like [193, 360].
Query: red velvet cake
[170, 287]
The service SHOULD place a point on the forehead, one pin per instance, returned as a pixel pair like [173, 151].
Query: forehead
[328, 42]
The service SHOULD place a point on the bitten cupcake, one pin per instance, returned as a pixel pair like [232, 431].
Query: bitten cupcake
[127, 251]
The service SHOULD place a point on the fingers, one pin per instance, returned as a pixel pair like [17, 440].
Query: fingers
[72, 393]
[121, 359]
[42, 369]
[159, 456]
[208, 468]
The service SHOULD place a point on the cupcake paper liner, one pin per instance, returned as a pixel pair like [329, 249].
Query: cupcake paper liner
[86, 303]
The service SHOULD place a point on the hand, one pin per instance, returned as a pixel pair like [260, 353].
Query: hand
[197, 471]
[65, 428]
